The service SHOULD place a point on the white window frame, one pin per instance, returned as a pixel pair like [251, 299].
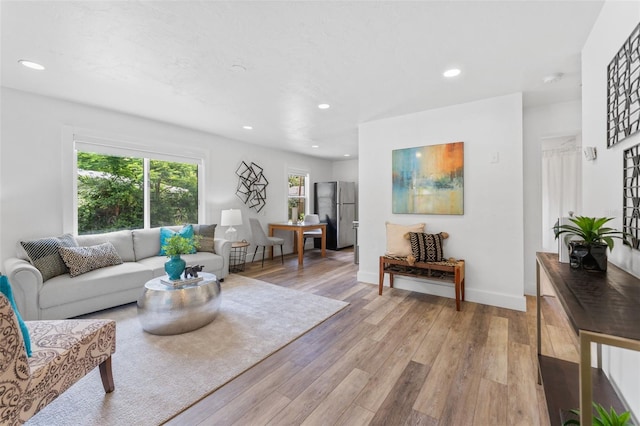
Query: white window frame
[75, 140]
[307, 201]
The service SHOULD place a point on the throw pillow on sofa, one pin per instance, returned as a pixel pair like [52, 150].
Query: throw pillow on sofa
[5, 288]
[166, 233]
[43, 254]
[207, 234]
[80, 260]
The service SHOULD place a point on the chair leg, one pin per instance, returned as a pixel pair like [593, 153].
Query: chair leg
[264, 248]
[254, 254]
[107, 376]
[282, 253]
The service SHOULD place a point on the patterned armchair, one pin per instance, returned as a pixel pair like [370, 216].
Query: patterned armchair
[63, 351]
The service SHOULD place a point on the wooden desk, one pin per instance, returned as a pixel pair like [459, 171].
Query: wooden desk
[298, 242]
[603, 308]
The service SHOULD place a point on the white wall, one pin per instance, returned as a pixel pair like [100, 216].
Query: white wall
[602, 178]
[489, 236]
[35, 180]
[550, 120]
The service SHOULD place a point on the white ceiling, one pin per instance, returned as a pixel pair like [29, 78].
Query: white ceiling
[216, 66]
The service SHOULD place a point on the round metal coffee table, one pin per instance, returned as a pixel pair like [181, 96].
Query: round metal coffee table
[164, 309]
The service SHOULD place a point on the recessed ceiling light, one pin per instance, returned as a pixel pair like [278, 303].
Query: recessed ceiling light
[552, 78]
[315, 146]
[247, 127]
[347, 155]
[31, 64]
[324, 106]
[451, 73]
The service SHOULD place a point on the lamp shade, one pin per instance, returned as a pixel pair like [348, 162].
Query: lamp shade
[231, 217]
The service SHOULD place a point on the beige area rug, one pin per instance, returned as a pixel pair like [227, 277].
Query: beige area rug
[159, 376]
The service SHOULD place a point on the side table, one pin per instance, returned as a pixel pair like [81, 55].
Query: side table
[238, 256]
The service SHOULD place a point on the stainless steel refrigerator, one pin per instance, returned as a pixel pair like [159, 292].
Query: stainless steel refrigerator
[335, 203]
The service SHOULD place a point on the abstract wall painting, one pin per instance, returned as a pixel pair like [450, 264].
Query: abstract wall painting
[429, 179]
[623, 91]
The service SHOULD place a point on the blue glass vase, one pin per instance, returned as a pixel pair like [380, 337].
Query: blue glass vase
[174, 267]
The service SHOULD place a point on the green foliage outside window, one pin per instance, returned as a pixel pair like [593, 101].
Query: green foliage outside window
[111, 193]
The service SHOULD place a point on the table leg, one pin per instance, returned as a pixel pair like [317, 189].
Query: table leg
[323, 242]
[300, 244]
[271, 247]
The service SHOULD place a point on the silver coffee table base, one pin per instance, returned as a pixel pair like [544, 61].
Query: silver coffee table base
[165, 310]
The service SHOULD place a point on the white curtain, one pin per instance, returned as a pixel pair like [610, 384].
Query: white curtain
[561, 183]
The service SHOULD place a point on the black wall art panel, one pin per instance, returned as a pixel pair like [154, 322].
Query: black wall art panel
[623, 90]
[631, 204]
[252, 185]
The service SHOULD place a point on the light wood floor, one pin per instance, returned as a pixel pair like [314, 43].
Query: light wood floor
[400, 358]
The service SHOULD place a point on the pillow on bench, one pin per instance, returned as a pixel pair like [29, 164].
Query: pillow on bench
[397, 244]
[426, 247]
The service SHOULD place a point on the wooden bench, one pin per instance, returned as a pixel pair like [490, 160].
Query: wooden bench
[445, 271]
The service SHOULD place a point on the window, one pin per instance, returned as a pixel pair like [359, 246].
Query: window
[297, 195]
[127, 192]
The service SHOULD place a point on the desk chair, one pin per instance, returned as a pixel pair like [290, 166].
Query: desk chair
[260, 239]
[312, 233]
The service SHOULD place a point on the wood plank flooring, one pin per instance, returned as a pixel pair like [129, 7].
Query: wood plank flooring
[398, 359]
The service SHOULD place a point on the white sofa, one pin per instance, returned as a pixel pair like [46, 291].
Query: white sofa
[65, 297]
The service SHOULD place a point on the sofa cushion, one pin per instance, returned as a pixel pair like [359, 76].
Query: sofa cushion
[211, 262]
[121, 240]
[166, 233]
[146, 242]
[5, 288]
[80, 260]
[63, 290]
[207, 235]
[397, 244]
[43, 254]
[426, 247]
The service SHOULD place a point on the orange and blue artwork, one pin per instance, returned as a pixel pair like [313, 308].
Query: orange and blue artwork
[429, 179]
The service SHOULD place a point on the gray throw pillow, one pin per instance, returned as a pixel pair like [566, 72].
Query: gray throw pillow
[207, 234]
[80, 260]
[43, 254]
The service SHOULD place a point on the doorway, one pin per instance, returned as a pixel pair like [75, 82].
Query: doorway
[561, 183]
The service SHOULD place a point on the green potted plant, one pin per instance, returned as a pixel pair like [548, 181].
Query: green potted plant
[590, 249]
[174, 247]
[602, 417]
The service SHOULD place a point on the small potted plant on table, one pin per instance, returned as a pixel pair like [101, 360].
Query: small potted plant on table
[174, 247]
[589, 251]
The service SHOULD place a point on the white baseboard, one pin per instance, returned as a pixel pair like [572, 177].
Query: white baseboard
[420, 285]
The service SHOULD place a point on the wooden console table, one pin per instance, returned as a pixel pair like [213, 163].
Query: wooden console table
[446, 271]
[603, 308]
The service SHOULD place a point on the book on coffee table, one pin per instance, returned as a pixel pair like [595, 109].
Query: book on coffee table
[180, 282]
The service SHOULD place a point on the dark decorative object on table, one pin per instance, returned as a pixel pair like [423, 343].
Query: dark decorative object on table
[192, 271]
[589, 252]
[623, 104]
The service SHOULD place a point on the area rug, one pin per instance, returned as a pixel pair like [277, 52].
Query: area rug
[159, 376]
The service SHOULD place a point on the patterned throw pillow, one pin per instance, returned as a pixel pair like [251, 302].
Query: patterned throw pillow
[166, 233]
[43, 254]
[426, 247]
[207, 234]
[84, 259]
